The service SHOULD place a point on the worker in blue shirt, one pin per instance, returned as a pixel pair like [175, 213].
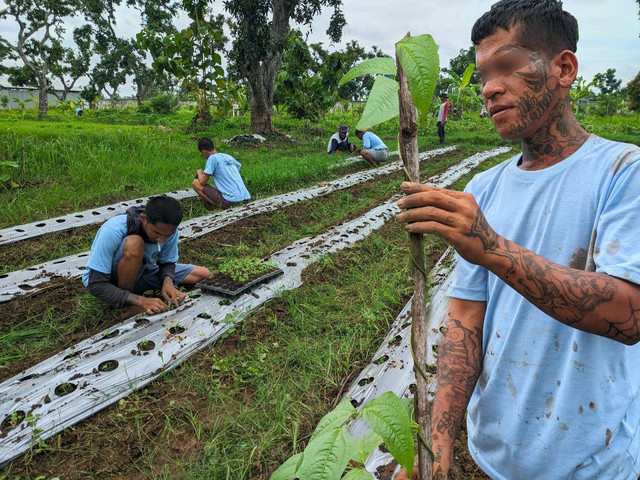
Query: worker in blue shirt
[373, 149]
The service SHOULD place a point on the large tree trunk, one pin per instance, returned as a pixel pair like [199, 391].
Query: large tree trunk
[43, 102]
[262, 73]
[261, 107]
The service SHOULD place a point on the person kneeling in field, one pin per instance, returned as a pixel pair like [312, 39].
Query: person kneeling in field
[225, 170]
[136, 252]
[373, 150]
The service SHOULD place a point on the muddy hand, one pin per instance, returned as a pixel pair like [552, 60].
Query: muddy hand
[452, 215]
[152, 305]
[172, 295]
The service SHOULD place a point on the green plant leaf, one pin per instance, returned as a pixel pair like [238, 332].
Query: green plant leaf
[358, 474]
[365, 445]
[326, 457]
[466, 76]
[419, 59]
[387, 416]
[288, 469]
[334, 418]
[382, 103]
[371, 66]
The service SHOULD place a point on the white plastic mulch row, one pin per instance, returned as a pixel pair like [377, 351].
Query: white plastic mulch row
[77, 383]
[391, 369]
[97, 215]
[29, 279]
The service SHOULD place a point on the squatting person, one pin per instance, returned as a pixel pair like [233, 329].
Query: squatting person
[136, 252]
[225, 170]
[339, 141]
[541, 347]
[374, 151]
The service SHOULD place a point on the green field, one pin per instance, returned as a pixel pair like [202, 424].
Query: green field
[239, 408]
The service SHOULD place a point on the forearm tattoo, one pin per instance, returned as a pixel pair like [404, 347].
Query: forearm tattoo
[459, 362]
[564, 293]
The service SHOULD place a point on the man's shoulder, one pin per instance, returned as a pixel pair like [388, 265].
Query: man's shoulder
[619, 154]
[114, 227]
[482, 179]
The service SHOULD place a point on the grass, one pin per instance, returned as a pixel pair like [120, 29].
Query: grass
[247, 403]
[75, 163]
[60, 326]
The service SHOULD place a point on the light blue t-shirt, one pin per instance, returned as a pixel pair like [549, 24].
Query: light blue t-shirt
[108, 240]
[553, 402]
[370, 141]
[226, 174]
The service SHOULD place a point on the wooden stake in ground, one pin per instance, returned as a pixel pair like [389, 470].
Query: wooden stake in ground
[408, 146]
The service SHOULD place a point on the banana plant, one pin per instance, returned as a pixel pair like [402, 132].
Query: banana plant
[460, 83]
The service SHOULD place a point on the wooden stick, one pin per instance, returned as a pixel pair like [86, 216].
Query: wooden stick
[409, 150]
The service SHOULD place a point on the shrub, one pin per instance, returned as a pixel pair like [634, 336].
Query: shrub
[144, 107]
[164, 103]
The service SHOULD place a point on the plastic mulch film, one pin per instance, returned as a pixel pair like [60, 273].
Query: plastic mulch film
[97, 215]
[79, 219]
[31, 279]
[392, 366]
[97, 372]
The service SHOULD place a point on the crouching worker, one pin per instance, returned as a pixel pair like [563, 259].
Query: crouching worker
[225, 170]
[136, 252]
[339, 142]
[374, 151]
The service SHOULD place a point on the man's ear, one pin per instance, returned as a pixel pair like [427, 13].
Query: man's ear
[143, 217]
[566, 64]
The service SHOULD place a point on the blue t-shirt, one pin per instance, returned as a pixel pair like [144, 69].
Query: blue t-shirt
[553, 402]
[226, 174]
[107, 243]
[370, 141]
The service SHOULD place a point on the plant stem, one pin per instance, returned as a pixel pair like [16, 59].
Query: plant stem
[408, 148]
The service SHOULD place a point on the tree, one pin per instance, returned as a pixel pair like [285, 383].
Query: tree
[121, 56]
[633, 92]
[189, 55]
[39, 34]
[73, 64]
[459, 63]
[607, 82]
[259, 43]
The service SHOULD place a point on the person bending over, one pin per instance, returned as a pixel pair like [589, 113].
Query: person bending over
[136, 252]
[225, 170]
[374, 151]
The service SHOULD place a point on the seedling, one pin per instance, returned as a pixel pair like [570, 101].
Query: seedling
[241, 269]
[144, 343]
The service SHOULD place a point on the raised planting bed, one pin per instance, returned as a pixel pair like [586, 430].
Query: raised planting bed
[223, 284]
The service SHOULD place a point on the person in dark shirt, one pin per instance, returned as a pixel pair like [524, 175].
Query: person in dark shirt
[339, 141]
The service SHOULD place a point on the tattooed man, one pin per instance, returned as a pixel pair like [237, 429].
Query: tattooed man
[541, 348]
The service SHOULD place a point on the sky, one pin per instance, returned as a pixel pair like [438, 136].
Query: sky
[609, 29]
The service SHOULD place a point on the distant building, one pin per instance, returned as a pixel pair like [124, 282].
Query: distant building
[25, 93]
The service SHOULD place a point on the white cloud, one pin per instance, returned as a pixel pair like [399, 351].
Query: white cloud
[608, 28]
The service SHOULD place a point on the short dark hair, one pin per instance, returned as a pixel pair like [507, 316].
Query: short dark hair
[206, 144]
[163, 209]
[541, 25]
[359, 132]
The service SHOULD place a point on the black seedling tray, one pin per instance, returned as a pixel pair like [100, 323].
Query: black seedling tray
[224, 285]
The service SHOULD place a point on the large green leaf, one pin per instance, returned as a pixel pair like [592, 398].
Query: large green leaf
[365, 445]
[419, 59]
[387, 416]
[335, 418]
[382, 103]
[358, 474]
[326, 456]
[466, 76]
[373, 66]
[288, 469]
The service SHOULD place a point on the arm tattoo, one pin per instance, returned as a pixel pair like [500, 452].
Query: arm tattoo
[564, 293]
[458, 369]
